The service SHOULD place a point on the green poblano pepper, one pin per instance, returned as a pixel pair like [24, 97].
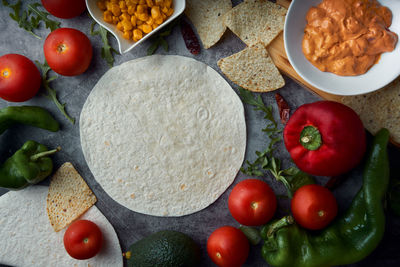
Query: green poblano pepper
[28, 115]
[350, 237]
[29, 165]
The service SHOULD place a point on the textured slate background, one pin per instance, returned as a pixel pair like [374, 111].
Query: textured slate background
[131, 226]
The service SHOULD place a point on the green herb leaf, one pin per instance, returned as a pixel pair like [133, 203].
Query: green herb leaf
[106, 51]
[252, 234]
[52, 94]
[30, 19]
[42, 16]
[153, 47]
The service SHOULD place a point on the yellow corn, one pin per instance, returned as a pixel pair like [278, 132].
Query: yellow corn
[168, 3]
[149, 3]
[114, 1]
[142, 2]
[143, 16]
[164, 10]
[125, 16]
[131, 9]
[127, 25]
[158, 2]
[120, 27]
[146, 28]
[170, 12]
[122, 5]
[137, 34]
[127, 35]
[155, 12]
[115, 20]
[101, 5]
[141, 9]
[115, 10]
[139, 22]
[107, 16]
[150, 21]
[159, 20]
[133, 21]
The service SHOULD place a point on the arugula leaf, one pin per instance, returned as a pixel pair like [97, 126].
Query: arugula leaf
[52, 94]
[30, 19]
[41, 15]
[106, 51]
[292, 177]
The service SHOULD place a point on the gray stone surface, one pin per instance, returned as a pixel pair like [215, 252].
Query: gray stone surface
[131, 226]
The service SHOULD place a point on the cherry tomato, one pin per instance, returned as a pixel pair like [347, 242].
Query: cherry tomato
[68, 51]
[228, 247]
[313, 206]
[19, 78]
[252, 202]
[83, 239]
[64, 9]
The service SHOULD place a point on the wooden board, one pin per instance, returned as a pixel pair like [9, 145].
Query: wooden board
[278, 54]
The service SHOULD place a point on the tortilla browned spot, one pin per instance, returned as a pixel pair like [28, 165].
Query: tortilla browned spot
[379, 109]
[69, 197]
[256, 21]
[252, 69]
[206, 16]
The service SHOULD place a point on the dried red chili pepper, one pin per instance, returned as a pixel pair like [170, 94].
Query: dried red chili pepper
[191, 41]
[284, 110]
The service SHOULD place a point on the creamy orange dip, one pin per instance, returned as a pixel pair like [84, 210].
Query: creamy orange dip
[347, 37]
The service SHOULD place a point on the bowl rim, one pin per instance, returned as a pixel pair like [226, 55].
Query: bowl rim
[111, 28]
[292, 61]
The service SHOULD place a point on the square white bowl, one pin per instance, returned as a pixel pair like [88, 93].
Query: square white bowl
[381, 74]
[123, 44]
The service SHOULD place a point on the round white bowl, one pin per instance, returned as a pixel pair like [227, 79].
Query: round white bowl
[381, 74]
[123, 44]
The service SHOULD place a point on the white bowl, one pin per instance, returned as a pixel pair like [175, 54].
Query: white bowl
[381, 74]
[123, 44]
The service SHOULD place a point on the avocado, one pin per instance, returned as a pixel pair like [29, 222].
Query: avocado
[165, 249]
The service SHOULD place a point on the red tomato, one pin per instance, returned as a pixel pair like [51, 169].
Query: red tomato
[228, 247]
[68, 51]
[313, 206]
[19, 78]
[83, 239]
[252, 202]
[64, 9]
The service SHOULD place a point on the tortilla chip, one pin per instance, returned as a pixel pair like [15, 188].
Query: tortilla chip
[256, 21]
[69, 197]
[206, 16]
[379, 109]
[252, 69]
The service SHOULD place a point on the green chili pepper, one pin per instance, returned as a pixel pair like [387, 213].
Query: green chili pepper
[29, 165]
[349, 238]
[29, 115]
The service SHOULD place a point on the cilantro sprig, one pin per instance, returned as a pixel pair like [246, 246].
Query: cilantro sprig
[30, 18]
[107, 50]
[292, 177]
[51, 93]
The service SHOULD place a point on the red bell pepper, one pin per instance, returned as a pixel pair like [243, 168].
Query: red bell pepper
[325, 138]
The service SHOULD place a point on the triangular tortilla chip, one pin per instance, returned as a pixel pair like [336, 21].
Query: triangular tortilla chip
[69, 197]
[256, 21]
[252, 69]
[206, 16]
[379, 109]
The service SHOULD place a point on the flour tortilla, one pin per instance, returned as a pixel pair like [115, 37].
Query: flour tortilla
[27, 238]
[206, 16]
[163, 135]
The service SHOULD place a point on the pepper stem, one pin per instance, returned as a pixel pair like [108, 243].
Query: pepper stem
[44, 154]
[310, 138]
[285, 221]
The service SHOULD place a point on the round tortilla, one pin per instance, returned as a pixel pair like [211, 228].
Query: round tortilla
[163, 135]
[29, 240]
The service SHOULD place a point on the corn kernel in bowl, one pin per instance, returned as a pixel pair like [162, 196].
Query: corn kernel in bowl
[135, 18]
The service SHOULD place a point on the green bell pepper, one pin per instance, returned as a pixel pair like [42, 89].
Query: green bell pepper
[29, 165]
[349, 238]
[29, 115]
